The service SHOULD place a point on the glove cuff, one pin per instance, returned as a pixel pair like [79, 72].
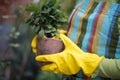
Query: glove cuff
[91, 65]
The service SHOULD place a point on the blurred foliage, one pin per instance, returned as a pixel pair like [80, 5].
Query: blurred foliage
[48, 76]
[16, 58]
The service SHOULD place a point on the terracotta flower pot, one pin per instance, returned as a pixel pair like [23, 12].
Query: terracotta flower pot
[48, 46]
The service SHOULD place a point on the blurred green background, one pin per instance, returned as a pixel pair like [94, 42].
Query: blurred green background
[16, 57]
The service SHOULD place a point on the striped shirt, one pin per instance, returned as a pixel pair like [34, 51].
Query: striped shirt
[94, 27]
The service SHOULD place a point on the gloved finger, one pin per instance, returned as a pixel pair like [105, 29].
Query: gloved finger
[61, 31]
[34, 50]
[47, 58]
[33, 43]
[50, 67]
[68, 43]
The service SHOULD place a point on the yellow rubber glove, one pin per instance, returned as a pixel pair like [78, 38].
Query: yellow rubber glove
[34, 44]
[71, 60]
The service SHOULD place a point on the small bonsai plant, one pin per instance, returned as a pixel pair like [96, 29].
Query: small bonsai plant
[46, 17]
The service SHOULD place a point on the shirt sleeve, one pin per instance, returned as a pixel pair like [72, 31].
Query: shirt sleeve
[110, 1]
[108, 68]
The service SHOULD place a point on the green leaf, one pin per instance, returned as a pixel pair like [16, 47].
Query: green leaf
[53, 17]
[42, 19]
[62, 20]
[36, 20]
[41, 33]
[51, 3]
[27, 20]
[53, 30]
[52, 34]
[48, 26]
[47, 31]
[36, 29]
[46, 10]
[58, 25]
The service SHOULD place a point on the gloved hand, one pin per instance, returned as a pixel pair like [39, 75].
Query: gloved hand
[34, 44]
[71, 60]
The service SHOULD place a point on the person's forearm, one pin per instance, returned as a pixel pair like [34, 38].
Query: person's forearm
[108, 68]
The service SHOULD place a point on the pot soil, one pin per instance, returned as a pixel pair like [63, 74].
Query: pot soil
[48, 46]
